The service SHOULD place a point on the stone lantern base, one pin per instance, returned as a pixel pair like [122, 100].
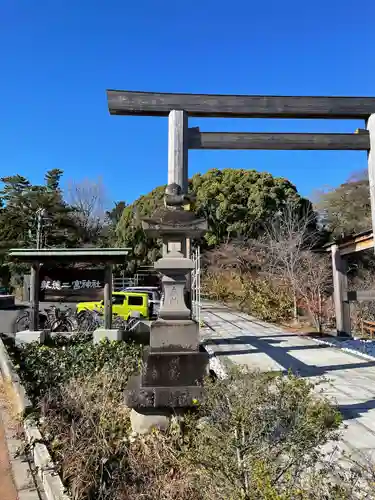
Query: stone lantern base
[174, 366]
[168, 380]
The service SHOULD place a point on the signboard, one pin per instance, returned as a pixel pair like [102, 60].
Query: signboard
[71, 285]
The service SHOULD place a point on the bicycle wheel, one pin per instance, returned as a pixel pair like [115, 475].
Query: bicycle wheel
[119, 323]
[61, 325]
[23, 322]
[85, 321]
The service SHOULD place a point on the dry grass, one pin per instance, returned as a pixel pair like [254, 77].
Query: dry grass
[9, 406]
[259, 296]
[90, 438]
[258, 437]
[254, 436]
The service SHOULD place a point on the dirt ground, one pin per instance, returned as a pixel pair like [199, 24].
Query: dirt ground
[7, 487]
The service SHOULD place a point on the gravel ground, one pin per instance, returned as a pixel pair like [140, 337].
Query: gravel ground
[360, 346]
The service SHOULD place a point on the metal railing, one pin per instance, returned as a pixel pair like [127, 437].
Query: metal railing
[196, 285]
[120, 283]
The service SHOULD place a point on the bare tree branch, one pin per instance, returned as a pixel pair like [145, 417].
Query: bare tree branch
[286, 239]
[313, 281]
[88, 199]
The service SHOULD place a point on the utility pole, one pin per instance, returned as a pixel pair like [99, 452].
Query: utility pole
[40, 213]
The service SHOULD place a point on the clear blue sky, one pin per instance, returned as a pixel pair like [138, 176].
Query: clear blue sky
[59, 56]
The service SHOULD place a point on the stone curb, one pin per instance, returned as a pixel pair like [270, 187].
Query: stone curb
[9, 373]
[52, 484]
[216, 365]
[345, 349]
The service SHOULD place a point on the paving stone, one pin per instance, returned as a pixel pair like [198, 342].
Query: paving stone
[351, 386]
[256, 361]
[324, 357]
[22, 475]
[355, 391]
[14, 446]
[358, 436]
[31, 494]
[367, 418]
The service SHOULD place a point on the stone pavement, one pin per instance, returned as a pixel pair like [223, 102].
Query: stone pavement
[7, 486]
[241, 339]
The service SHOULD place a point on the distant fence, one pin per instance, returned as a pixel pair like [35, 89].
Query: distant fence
[121, 283]
[139, 279]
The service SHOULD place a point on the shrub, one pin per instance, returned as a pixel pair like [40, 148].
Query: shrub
[257, 296]
[254, 436]
[43, 367]
[88, 427]
[266, 300]
[261, 436]
[221, 286]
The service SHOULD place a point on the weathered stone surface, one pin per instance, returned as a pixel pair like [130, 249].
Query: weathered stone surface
[177, 222]
[140, 333]
[173, 369]
[137, 396]
[174, 266]
[178, 397]
[103, 333]
[177, 335]
[174, 305]
[143, 422]
[162, 397]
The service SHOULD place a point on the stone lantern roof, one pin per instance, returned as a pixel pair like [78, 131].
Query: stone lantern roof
[172, 218]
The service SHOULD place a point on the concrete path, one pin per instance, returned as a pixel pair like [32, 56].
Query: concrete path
[241, 339]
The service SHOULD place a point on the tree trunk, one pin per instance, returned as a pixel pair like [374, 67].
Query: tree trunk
[320, 312]
[295, 308]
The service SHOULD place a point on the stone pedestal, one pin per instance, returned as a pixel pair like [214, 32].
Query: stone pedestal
[108, 334]
[174, 335]
[174, 364]
[29, 336]
[144, 422]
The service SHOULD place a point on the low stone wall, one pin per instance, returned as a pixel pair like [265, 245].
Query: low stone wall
[50, 480]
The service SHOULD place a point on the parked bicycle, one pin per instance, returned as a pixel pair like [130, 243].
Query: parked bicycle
[54, 319]
[89, 320]
[57, 319]
[60, 320]
[23, 322]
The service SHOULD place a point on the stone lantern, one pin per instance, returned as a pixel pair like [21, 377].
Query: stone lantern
[174, 364]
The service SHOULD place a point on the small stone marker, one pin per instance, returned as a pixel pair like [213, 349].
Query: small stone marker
[29, 336]
[107, 333]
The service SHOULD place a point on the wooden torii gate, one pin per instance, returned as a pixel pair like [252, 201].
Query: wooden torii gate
[179, 107]
[341, 295]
